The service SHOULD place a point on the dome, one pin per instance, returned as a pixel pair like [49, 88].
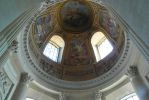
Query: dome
[59, 50]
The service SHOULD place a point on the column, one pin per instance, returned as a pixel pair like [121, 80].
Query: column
[21, 90]
[98, 95]
[137, 82]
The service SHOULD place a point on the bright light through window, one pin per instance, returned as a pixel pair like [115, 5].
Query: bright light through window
[29, 99]
[51, 51]
[130, 97]
[101, 45]
[104, 48]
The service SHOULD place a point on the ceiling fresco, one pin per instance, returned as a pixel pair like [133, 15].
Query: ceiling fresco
[75, 16]
[78, 52]
[76, 21]
[43, 26]
[108, 23]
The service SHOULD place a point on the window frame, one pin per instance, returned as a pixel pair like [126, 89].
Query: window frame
[96, 41]
[59, 43]
[99, 46]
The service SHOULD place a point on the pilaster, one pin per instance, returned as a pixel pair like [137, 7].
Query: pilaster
[21, 90]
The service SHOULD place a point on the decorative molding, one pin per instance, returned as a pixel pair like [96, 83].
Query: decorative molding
[62, 96]
[6, 85]
[14, 46]
[3, 59]
[132, 71]
[98, 95]
[25, 78]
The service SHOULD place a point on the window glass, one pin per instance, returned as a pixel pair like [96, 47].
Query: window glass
[105, 48]
[101, 45]
[51, 51]
[54, 49]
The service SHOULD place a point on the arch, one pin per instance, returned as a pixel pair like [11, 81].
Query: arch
[58, 40]
[54, 48]
[101, 45]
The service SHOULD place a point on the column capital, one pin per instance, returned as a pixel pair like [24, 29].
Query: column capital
[98, 95]
[25, 78]
[132, 71]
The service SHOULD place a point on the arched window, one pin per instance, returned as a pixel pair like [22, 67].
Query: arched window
[132, 96]
[101, 45]
[54, 48]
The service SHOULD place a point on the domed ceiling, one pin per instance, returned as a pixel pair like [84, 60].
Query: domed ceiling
[75, 21]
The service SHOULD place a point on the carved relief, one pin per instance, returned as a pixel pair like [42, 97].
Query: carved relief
[25, 78]
[132, 71]
[5, 85]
